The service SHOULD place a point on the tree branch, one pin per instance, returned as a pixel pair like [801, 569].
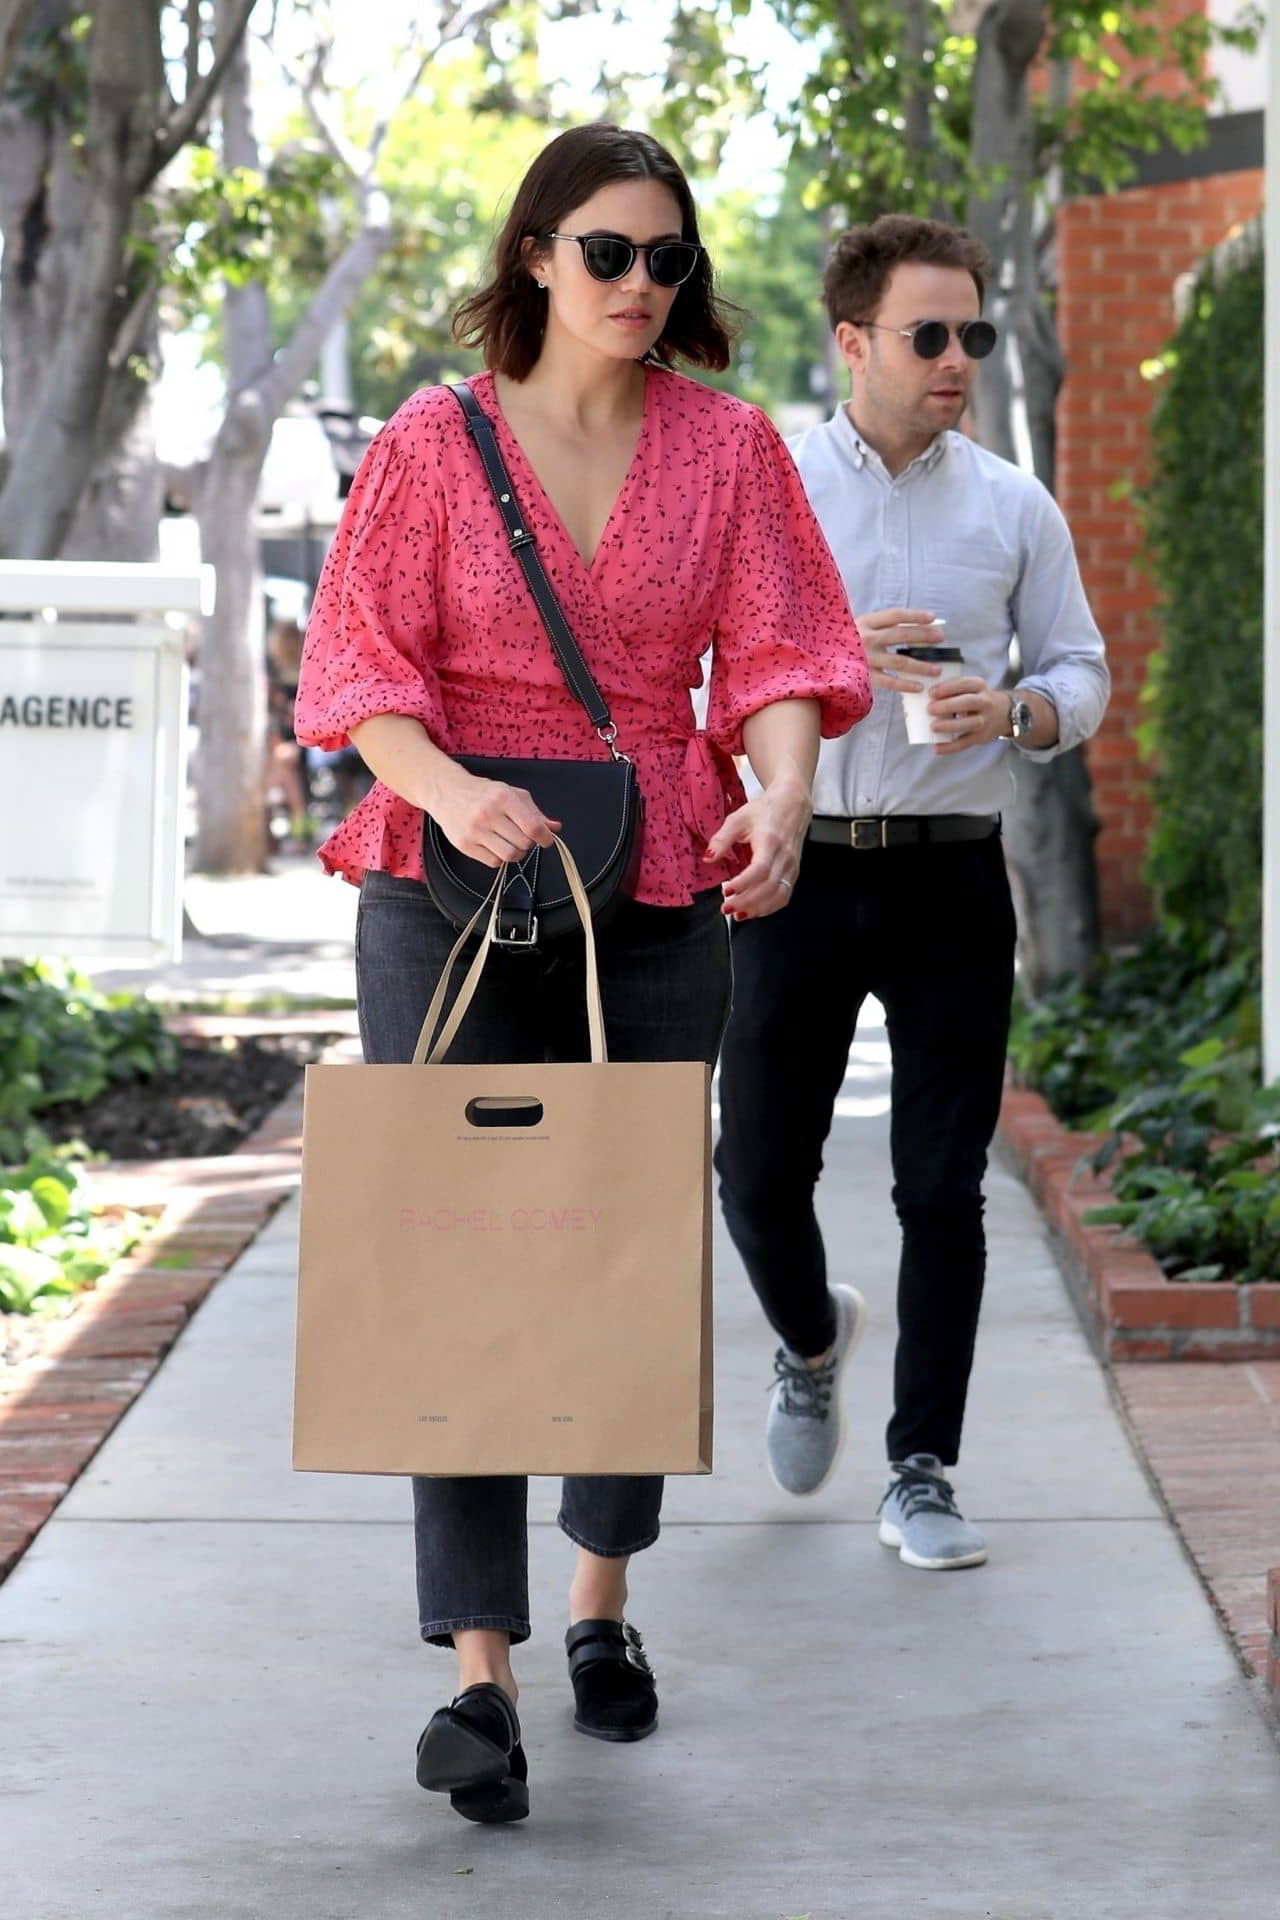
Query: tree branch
[14, 15]
[312, 86]
[327, 306]
[383, 127]
[1019, 26]
[193, 47]
[919, 100]
[181, 127]
[849, 20]
[134, 324]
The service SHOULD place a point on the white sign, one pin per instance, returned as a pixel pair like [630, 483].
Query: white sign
[92, 729]
[93, 718]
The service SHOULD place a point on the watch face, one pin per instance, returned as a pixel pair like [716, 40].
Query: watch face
[1022, 720]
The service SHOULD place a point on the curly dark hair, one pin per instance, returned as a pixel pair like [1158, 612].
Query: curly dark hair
[506, 318]
[863, 258]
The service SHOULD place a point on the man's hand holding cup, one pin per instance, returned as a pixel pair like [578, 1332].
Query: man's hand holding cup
[969, 713]
[899, 627]
[960, 710]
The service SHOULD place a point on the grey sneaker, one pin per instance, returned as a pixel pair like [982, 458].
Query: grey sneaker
[919, 1517]
[805, 1433]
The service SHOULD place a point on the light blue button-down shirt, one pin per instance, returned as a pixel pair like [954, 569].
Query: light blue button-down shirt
[965, 535]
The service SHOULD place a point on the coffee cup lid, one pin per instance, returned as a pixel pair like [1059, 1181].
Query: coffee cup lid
[929, 653]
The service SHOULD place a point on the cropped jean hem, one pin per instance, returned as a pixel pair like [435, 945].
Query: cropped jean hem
[439, 1633]
[606, 1553]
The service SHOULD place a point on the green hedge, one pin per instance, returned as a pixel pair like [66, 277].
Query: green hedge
[1158, 1048]
[61, 1039]
[1203, 517]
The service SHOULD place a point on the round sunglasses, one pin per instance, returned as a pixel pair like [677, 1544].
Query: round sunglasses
[607, 256]
[930, 337]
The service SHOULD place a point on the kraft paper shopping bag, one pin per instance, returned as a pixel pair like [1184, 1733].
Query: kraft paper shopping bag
[505, 1269]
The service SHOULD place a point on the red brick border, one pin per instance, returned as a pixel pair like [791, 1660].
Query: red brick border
[1133, 1311]
[66, 1402]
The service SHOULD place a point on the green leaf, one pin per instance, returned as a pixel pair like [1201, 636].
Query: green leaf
[84, 1268]
[23, 1266]
[53, 1200]
[21, 1218]
[1205, 1054]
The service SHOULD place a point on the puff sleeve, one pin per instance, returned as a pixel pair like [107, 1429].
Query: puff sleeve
[783, 629]
[373, 631]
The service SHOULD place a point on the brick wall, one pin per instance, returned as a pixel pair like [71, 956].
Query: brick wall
[1119, 257]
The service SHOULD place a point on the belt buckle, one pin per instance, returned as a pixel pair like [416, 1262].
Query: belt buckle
[865, 834]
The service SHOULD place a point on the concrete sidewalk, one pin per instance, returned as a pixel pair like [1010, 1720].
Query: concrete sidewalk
[212, 1685]
[287, 932]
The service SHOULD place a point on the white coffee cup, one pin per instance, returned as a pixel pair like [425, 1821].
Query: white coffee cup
[915, 706]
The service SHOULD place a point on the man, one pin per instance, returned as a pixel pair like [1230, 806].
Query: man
[902, 890]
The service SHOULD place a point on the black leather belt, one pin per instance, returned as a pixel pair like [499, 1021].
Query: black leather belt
[901, 829]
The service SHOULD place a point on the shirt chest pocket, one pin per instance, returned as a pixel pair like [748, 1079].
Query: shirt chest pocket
[970, 584]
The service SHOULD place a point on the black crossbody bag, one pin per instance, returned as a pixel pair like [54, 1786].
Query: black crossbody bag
[598, 801]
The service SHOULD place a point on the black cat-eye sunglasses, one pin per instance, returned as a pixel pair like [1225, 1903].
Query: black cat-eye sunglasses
[607, 256]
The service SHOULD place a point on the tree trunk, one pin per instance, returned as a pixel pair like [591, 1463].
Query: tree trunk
[47, 465]
[78, 324]
[118, 515]
[1051, 831]
[42, 207]
[44, 202]
[232, 704]
[231, 709]
[1049, 838]
[15, 16]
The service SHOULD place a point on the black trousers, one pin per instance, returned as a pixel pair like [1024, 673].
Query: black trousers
[929, 930]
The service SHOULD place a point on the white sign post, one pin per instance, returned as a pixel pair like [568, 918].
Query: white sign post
[93, 721]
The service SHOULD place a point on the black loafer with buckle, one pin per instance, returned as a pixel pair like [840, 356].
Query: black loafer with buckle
[472, 1752]
[613, 1684]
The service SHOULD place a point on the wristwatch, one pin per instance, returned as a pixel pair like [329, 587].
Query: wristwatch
[1021, 718]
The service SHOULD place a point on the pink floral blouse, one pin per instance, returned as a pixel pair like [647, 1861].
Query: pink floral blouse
[422, 609]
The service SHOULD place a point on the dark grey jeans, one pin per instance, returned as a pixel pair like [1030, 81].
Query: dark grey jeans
[665, 979]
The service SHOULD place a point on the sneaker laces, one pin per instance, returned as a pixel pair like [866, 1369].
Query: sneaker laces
[806, 1390]
[920, 1492]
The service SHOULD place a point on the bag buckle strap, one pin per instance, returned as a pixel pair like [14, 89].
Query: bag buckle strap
[517, 923]
[517, 935]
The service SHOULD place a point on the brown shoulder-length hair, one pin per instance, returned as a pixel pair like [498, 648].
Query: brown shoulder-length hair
[864, 257]
[507, 317]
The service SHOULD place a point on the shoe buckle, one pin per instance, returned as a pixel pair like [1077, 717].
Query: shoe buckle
[635, 1653]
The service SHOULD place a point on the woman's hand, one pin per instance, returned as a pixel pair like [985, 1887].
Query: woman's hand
[773, 824]
[486, 819]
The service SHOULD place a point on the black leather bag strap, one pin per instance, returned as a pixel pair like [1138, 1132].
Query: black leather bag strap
[565, 647]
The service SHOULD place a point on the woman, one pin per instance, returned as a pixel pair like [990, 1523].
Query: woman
[286, 772]
[669, 518]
